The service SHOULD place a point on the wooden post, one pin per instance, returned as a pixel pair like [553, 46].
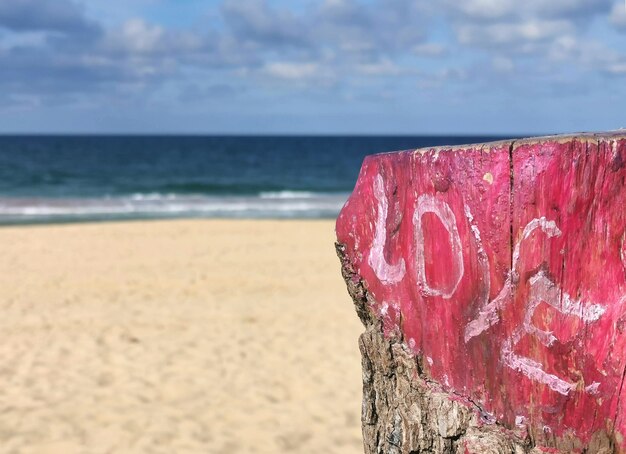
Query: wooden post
[491, 280]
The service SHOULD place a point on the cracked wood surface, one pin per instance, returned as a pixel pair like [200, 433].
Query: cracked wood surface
[492, 276]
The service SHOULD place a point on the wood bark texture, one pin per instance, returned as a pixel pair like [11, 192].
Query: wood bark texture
[491, 280]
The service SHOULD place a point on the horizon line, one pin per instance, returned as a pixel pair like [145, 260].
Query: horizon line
[274, 134]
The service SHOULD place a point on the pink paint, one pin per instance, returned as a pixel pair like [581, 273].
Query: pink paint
[512, 285]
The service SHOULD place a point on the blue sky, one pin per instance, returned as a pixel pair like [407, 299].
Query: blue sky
[324, 66]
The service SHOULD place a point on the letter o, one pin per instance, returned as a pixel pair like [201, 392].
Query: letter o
[428, 204]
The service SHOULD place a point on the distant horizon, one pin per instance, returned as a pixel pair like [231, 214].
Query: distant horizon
[274, 134]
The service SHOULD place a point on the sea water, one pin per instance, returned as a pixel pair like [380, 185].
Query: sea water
[88, 178]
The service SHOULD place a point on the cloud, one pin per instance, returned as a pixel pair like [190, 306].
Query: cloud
[139, 38]
[509, 26]
[63, 16]
[371, 30]
[292, 71]
[618, 16]
[617, 69]
[523, 36]
[550, 43]
[513, 10]
[52, 52]
[574, 9]
[323, 42]
[349, 28]
[73, 55]
[255, 22]
[430, 49]
[257, 40]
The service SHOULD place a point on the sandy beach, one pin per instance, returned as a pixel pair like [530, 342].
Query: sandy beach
[203, 336]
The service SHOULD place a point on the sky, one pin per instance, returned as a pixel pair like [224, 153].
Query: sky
[312, 67]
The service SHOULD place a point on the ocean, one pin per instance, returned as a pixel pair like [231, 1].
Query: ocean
[46, 179]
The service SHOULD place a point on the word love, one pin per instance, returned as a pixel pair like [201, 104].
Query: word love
[542, 288]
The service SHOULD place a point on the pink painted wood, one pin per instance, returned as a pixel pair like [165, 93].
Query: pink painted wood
[503, 266]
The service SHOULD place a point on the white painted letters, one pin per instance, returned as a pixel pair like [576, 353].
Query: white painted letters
[388, 274]
[541, 288]
[488, 314]
[428, 204]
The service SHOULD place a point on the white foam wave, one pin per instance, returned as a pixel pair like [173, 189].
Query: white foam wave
[169, 205]
[287, 195]
[153, 196]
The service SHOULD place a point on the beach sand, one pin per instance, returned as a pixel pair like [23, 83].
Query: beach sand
[202, 336]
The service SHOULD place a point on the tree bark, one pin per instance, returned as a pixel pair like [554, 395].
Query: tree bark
[406, 412]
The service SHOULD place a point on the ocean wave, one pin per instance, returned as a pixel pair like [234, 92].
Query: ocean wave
[288, 195]
[154, 205]
[152, 196]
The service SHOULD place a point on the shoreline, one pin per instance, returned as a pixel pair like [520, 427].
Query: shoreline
[115, 221]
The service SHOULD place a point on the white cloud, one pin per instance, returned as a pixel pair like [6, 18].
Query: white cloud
[429, 49]
[618, 16]
[139, 37]
[617, 69]
[483, 9]
[512, 10]
[588, 53]
[516, 36]
[292, 71]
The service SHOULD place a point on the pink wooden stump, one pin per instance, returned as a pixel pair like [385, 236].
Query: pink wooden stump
[497, 274]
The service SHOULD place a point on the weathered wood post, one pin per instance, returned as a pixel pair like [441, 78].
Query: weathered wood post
[491, 280]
